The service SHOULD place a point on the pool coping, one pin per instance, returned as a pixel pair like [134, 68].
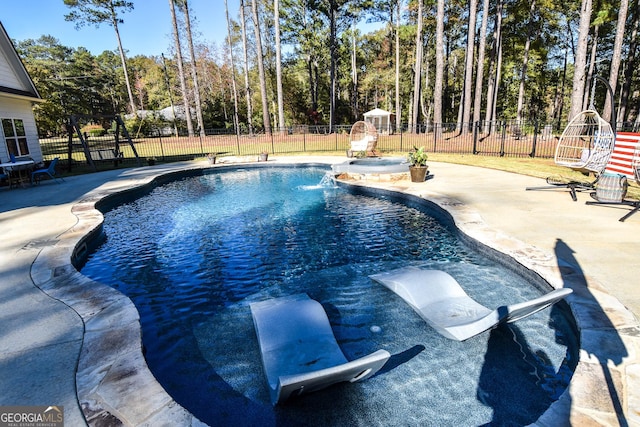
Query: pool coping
[115, 386]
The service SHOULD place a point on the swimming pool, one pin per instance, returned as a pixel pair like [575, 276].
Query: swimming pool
[207, 246]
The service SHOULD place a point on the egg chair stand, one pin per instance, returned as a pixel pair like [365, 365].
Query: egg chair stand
[585, 146]
[363, 138]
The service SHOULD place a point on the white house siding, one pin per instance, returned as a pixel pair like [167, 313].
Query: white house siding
[12, 108]
[8, 76]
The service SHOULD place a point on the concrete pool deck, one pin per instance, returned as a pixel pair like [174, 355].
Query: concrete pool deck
[69, 341]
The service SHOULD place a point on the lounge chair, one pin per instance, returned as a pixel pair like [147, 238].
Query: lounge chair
[299, 351]
[50, 171]
[443, 304]
[623, 166]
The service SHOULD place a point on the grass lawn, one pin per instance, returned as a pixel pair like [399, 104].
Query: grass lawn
[458, 149]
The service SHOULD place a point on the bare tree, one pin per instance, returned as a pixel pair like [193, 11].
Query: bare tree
[494, 68]
[194, 72]
[276, 20]
[417, 71]
[263, 82]
[236, 124]
[397, 34]
[354, 74]
[168, 83]
[580, 61]
[477, 99]
[617, 57]
[97, 12]
[595, 38]
[631, 61]
[468, 67]
[439, 78]
[183, 82]
[333, 48]
[247, 86]
[525, 64]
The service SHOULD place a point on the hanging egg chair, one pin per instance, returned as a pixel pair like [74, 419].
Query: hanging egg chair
[363, 138]
[586, 143]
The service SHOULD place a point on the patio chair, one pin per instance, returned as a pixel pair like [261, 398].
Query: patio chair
[300, 354]
[442, 303]
[363, 138]
[38, 174]
[623, 166]
[585, 146]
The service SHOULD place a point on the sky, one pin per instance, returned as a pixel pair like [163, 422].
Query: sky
[146, 29]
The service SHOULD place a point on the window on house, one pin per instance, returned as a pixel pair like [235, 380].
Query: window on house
[15, 137]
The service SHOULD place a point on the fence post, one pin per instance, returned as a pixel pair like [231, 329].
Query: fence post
[435, 136]
[504, 135]
[475, 137]
[535, 139]
[272, 146]
[70, 147]
[162, 149]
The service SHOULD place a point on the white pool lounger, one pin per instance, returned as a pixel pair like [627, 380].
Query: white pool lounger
[299, 351]
[444, 305]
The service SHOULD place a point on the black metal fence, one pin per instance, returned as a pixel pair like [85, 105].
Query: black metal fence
[502, 138]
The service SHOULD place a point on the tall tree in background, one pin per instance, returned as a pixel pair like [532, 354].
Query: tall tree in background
[181, 76]
[184, 5]
[266, 120]
[616, 57]
[631, 61]
[247, 85]
[309, 88]
[494, 68]
[397, 47]
[525, 62]
[236, 124]
[98, 12]
[580, 61]
[276, 20]
[354, 73]
[468, 67]
[417, 71]
[477, 98]
[168, 83]
[306, 30]
[333, 10]
[333, 48]
[437, 89]
[589, 77]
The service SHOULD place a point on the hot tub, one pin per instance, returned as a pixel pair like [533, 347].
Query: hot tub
[376, 165]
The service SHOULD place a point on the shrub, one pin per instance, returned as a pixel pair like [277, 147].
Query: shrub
[93, 130]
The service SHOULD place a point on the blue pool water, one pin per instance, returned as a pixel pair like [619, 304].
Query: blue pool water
[195, 252]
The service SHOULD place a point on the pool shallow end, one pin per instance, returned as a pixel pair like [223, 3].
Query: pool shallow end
[115, 384]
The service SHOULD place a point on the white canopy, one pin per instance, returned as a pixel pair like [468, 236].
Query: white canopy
[380, 118]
